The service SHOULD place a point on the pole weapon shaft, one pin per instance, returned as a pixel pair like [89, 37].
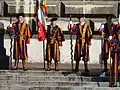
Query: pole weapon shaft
[11, 40]
[71, 43]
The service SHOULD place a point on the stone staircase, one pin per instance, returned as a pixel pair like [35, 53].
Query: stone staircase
[52, 80]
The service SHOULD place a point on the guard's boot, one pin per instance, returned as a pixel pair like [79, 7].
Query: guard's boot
[105, 63]
[56, 66]
[16, 64]
[105, 66]
[86, 67]
[48, 66]
[77, 66]
[24, 65]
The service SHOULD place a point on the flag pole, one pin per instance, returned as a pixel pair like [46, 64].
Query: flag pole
[37, 5]
[44, 52]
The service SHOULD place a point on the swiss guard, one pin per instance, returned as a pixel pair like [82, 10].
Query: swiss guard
[115, 54]
[55, 38]
[107, 30]
[22, 35]
[83, 34]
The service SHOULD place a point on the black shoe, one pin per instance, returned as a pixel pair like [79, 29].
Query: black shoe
[86, 70]
[76, 70]
[25, 69]
[112, 85]
[47, 69]
[15, 68]
[105, 70]
[56, 69]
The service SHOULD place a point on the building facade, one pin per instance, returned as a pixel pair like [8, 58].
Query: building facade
[95, 12]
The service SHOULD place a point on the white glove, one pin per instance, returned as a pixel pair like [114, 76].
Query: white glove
[60, 47]
[102, 27]
[70, 22]
[10, 25]
[110, 38]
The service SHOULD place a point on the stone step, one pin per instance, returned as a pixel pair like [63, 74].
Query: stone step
[36, 78]
[56, 78]
[56, 88]
[43, 73]
[53, 83]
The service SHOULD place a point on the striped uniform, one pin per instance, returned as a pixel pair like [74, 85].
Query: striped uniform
[22, 35]
[83, 37]
[107, 30]
[54, 40]
[115, 54]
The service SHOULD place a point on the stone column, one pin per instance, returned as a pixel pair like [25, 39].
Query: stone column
[119, 12]
[32, 7]
[1, 7]
[17, 6]
[26, 8]
[84, 7]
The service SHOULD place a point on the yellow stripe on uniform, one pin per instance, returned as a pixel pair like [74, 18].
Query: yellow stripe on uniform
[55, 48]
[49, 52]
[83, 34]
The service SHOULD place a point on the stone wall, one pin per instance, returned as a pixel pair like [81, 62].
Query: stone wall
[1, 7]
[35, 50]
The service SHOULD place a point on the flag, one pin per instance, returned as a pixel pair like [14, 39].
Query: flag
[41, 19]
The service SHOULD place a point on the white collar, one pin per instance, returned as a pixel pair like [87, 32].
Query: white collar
[82, 23]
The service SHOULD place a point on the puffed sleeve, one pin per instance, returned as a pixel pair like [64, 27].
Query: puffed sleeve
[11, 29]
[60, 36]
[101, 29]
[28, 34]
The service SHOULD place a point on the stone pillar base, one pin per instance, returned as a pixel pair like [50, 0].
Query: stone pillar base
[4, 62]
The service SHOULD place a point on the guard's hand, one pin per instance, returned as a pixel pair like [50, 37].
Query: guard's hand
[118, 67]
[10, 25]
[89, 43]
[110, 38]
[70, 22]
[60, 44]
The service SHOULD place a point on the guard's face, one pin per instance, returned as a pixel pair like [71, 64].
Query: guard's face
[109, 19]
[82, 19]
[21, 18]
[54, 22]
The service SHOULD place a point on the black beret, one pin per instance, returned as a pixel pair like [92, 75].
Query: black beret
[20, 14]
[54, 19]
[109, 16]
[81, 16]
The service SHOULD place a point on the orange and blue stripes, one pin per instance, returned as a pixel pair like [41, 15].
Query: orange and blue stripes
[21, 35]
